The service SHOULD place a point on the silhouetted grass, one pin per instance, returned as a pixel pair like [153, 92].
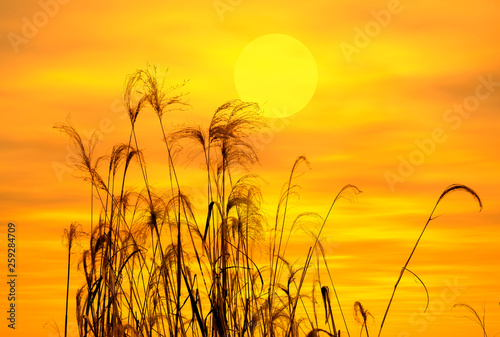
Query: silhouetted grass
[475, 316]
[155, 266]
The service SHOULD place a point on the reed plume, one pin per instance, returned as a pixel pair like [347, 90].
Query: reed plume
[155, 264]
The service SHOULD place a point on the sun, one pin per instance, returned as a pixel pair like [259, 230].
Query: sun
[278, 72]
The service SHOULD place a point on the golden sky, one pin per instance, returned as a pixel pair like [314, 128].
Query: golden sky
[404, 102]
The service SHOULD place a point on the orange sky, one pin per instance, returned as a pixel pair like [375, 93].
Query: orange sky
[367, 112]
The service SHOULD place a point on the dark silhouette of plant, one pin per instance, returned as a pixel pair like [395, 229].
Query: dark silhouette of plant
[361, 316]
[70, 236]
[447, 191]
[475, 316]
[156, 265]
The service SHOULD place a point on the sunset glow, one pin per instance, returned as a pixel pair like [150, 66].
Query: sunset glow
[399, 98]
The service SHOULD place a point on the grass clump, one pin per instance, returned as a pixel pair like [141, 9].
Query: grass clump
[156, 266]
